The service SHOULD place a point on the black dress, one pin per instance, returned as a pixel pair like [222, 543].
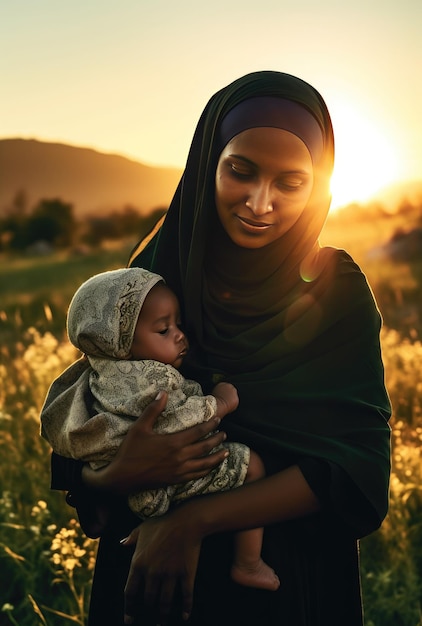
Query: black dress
[316, 561]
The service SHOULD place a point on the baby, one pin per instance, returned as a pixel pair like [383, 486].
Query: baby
[127, 322]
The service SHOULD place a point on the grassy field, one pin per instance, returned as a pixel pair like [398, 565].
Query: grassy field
[46, 562]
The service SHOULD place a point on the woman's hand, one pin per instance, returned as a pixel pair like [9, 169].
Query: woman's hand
[168, 547]
[166, 555]
[147, 460]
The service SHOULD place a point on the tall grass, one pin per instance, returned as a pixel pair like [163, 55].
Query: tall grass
[391, 558]
[46, 562]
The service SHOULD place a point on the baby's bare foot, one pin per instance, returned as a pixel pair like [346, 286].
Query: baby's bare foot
[259, 575]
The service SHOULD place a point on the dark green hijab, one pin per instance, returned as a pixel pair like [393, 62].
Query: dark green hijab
[298, 334]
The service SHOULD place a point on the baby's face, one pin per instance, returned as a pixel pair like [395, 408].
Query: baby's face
[157, 334]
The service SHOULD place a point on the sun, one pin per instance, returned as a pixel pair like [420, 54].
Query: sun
[365, 160]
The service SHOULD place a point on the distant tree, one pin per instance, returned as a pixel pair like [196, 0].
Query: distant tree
[97, 229]
[406, 208]
[11, 233]
[127, 222]
[51, 221]
[19, 206]
[13, 224]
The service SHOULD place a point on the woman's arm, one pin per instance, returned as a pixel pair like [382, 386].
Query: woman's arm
[146, 459]
[167, 549]
[278, 498]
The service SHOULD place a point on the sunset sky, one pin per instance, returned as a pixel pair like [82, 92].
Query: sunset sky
[132, 77]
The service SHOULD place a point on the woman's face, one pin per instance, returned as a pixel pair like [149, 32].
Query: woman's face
[263, 182]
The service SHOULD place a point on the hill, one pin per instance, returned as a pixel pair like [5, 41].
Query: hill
[92, 181]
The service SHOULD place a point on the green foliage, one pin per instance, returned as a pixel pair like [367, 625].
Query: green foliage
[36, 291]
[117, 225]
[45, 561]
[52, 223]
[391, 559]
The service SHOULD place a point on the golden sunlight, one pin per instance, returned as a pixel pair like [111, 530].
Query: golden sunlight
[365, 157]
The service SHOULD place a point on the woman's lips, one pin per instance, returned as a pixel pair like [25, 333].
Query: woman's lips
[252, 225]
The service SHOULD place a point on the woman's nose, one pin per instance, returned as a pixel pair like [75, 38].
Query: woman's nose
[260, 200]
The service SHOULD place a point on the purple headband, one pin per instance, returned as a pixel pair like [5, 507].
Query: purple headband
[269, 111]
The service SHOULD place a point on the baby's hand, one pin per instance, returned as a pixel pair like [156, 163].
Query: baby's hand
[227, 398]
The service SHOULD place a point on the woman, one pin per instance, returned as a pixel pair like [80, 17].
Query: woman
[295, 328]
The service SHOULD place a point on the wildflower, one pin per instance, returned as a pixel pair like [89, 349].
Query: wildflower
[69, 548]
